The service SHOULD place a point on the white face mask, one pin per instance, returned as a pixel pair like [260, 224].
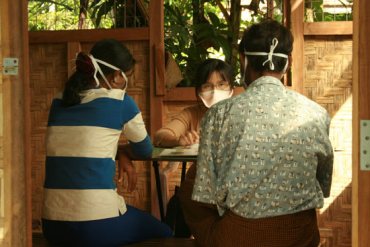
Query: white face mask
[212, 97]
[95, 62]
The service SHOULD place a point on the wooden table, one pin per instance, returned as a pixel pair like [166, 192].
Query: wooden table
[156, 159]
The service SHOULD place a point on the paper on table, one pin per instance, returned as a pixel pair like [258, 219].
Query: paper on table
[181, 151]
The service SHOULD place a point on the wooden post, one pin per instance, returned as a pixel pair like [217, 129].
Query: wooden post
[15, 131]
[361, 111]
[156, 49]
[296, 26]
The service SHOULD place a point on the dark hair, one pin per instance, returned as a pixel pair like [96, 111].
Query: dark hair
[258, 38]
[209, 66]
[108, 50]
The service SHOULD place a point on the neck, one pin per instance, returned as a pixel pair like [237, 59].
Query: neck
[277, 75]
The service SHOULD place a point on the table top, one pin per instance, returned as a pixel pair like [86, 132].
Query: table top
[156, 156]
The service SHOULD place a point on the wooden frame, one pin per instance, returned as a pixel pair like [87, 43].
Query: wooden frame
[16, 132]
[328, 28]
[361, 111]
[88, 35]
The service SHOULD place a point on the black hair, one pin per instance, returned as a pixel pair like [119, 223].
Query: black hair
[209, 66]
[108, 50]
[258, 38]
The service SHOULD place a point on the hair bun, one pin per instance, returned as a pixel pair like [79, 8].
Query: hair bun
[84, 64]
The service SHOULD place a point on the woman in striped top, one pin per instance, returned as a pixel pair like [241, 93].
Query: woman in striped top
[81, 203]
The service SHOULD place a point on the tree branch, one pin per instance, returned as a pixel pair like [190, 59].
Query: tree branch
[224, 11]
[54, 2]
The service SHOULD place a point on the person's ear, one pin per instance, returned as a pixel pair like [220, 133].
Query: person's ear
[241, 61]
[117, 77]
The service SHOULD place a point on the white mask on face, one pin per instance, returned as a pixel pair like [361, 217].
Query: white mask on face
[212, 97]
[95, 62]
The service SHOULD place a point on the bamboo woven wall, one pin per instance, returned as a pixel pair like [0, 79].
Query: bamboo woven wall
[328, 81]
[48, 72]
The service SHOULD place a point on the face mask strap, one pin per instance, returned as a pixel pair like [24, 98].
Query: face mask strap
[269, 54]
[95, 62]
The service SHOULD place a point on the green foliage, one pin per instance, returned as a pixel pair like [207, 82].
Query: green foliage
[49, 15]
[319, 13]
[190, 42]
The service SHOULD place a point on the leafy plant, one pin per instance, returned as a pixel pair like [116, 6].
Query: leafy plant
[192, 41]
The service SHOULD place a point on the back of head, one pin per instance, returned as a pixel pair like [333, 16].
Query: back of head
[108, 50]
[259, 38]
[209, 66]
[113, 52]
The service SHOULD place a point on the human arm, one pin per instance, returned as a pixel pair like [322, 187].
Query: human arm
[166, 138]
[135, 131]
[325, 158]
[205, 181]
[181, 130]
[125, 165]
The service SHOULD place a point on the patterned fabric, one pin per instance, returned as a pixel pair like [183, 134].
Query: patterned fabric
[265, 152]
[81, 148]
[188, 119]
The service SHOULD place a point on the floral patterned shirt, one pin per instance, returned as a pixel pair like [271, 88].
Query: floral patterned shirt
[265, 152]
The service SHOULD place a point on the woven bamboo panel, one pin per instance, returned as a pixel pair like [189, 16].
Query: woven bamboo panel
[328, 81]
[48, 72]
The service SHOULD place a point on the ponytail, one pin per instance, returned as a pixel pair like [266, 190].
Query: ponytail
[79, 81]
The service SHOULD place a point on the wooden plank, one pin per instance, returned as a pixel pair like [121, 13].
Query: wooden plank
[124, 34]
[296, 25]
[159, 70]
[180, 94]
[26, 120]
[328, 28]
[361, 110]
[156, 45]
[15, 128]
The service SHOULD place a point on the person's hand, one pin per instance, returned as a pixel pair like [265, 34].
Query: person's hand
[189, 138]
[126, 166]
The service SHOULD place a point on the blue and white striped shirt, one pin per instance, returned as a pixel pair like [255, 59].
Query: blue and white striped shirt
[81, 146]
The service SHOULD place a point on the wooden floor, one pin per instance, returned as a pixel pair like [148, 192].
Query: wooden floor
[39, 241]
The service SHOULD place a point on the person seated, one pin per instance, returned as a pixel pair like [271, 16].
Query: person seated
[265, 161]
[81, 205]
[214, 82]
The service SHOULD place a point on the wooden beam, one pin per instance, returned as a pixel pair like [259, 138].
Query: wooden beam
[15, 130]
[361, 111]
[157, 68]
[296, 25]
[124, 34]
[328, 28]
[180, 94]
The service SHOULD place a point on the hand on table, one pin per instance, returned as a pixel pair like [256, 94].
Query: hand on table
[189, 138]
